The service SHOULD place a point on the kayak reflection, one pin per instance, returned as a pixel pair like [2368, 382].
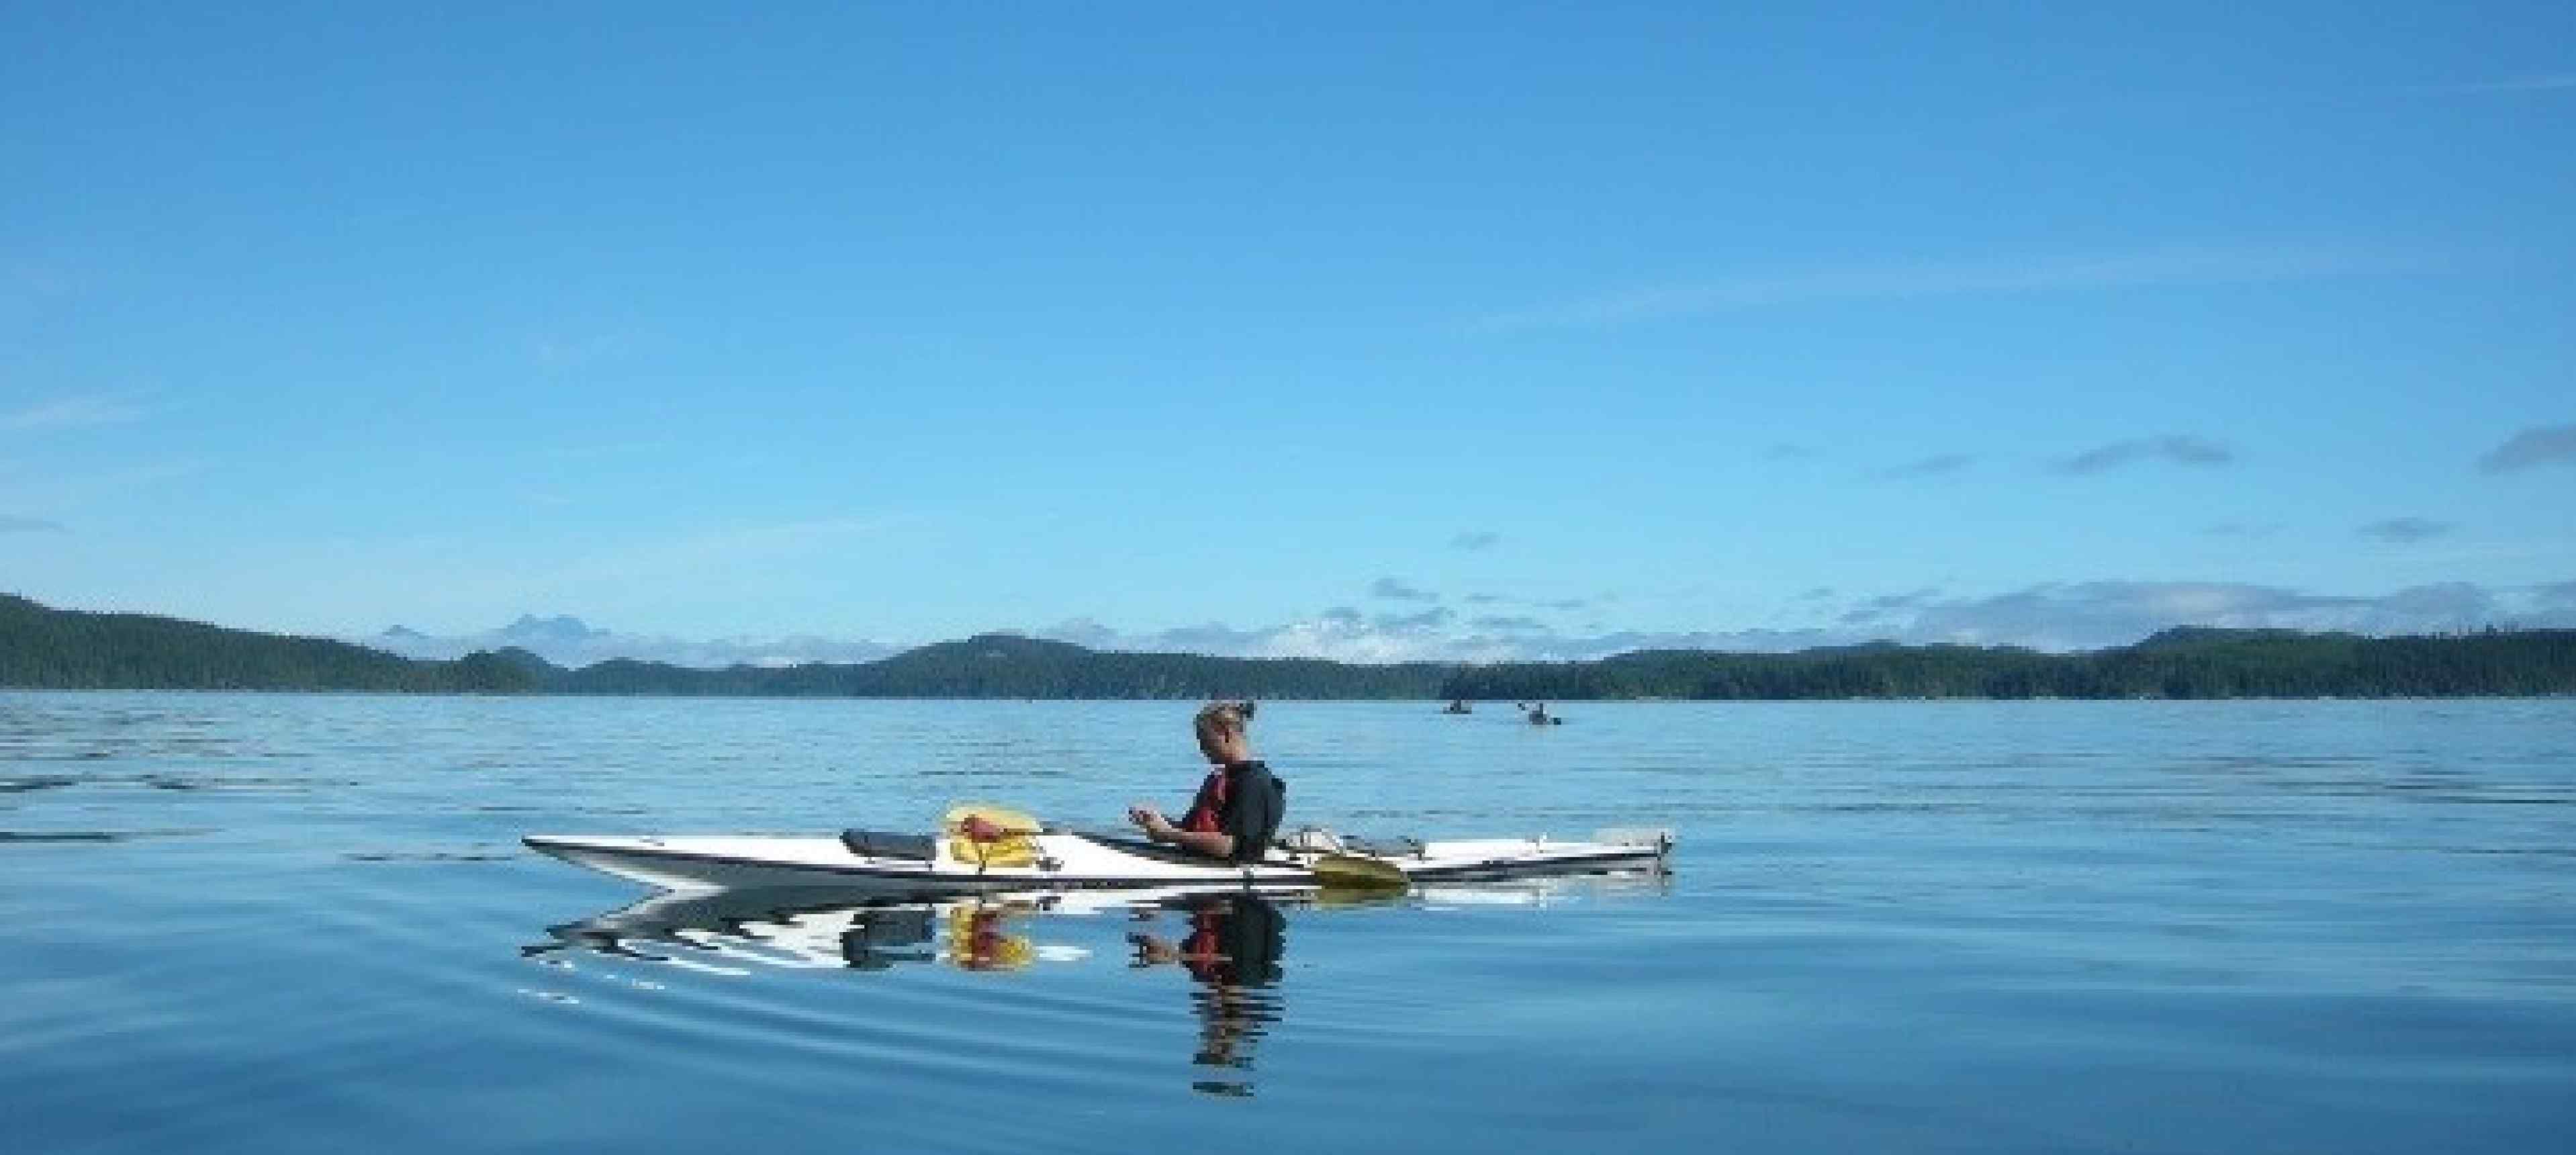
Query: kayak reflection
[1232, 949]
[730, 931]
[725, 931]
[1229, 945]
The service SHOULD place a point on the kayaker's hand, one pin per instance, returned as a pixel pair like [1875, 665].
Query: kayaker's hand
[1150, 950]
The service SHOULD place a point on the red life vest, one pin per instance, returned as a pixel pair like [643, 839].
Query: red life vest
[1210, 804]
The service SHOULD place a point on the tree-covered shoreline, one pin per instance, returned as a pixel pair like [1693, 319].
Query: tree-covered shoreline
[45, 648]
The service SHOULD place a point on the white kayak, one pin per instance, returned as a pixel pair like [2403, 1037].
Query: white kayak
[1071, 860]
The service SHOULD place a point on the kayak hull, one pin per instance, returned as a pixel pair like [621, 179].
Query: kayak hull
[1064, 861]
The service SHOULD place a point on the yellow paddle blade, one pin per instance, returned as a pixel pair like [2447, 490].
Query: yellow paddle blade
[1357, 872]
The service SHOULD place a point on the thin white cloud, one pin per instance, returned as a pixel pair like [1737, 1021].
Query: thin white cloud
[1474, 540]
[13, 524]
[72, 412]
[2406, 530]
[2554, 82]
[1937, 465]
[68, 490]
[1397, 589]
[1881, 607]
[2178, 265]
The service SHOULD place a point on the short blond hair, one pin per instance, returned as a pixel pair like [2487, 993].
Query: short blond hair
[1223, 717]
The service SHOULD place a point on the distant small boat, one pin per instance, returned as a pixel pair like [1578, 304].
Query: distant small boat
[1459, 706]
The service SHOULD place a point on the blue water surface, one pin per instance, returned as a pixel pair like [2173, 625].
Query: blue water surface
[283, 923]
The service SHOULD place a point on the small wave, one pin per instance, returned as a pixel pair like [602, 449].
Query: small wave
[87, 836]
[23, 785]
[430, 856]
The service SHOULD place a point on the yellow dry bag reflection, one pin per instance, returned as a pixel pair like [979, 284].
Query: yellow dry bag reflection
[981, 834]
[978, 941]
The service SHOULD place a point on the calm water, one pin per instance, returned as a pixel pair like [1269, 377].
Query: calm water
[303, 923]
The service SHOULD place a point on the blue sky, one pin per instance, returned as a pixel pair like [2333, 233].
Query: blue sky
[1369, 331]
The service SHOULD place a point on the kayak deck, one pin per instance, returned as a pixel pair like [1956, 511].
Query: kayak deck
[1063, 860]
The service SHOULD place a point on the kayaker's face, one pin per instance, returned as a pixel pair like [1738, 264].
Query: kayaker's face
[1222, 746]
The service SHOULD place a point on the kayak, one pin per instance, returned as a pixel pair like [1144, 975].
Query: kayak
[899, 865]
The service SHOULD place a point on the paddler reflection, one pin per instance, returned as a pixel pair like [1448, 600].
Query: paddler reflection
[1232, 948]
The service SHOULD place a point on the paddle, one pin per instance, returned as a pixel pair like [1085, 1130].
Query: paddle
[1357, 872]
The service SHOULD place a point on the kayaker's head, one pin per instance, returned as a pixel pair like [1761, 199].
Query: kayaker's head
[1220, 727]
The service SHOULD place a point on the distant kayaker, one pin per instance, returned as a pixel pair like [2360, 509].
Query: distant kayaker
[1238, 807]
[1539, 716]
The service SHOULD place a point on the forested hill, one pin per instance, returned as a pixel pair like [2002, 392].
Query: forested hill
[61, 649]
[68, 649]
[2178, 663]
[1007, 666]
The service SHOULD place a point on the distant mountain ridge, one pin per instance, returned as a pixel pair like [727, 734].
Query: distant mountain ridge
[44, 648]
[565, 640]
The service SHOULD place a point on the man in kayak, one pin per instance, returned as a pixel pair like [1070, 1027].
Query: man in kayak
[1239, 806]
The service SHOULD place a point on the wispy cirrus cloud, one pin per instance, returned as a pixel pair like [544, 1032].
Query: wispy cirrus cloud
[72, 412]
[1397, 589]
[1879, 608]
[2179, 449]
[1475, 540]
[1430, 619]
[2550, 82]
[2168, 266]
[13, 524]
[1937, 465]
[2540, 445]
[2403, 530]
